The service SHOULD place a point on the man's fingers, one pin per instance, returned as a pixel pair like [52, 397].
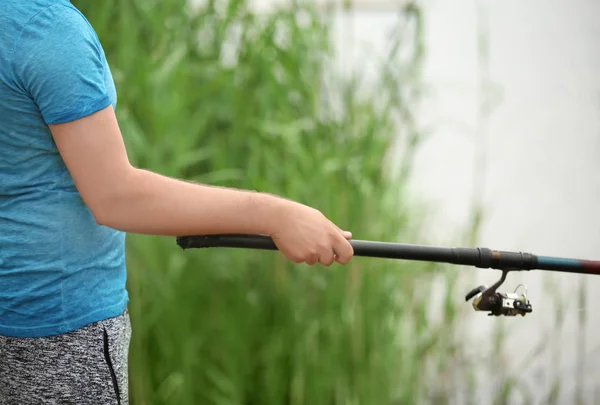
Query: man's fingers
[343, 251]
[311, 260]
[327, 258]
[346, 234]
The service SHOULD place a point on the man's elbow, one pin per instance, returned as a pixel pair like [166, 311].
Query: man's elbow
[110, 203]
[102, 212]
[103, 217]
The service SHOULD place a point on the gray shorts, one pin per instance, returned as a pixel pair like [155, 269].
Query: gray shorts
[87, 366]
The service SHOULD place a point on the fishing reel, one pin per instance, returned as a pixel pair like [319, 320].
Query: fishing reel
[498, 303]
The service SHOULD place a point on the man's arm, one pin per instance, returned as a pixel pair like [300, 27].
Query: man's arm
[133, 200]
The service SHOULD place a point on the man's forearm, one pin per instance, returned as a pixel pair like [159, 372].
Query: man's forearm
[148, 203]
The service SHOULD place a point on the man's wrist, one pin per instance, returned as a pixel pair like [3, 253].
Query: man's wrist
[268, 209]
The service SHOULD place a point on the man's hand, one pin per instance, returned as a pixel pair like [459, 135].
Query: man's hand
[305, 235]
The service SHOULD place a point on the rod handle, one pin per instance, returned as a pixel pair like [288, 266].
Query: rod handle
[364, 248]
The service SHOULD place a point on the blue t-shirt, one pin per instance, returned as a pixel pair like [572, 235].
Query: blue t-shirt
[59, 270]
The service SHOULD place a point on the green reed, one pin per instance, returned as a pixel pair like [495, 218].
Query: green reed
[222, 95]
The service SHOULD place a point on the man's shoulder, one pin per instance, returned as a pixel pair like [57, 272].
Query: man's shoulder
[17, 13]
[40, 20]
[62, 13]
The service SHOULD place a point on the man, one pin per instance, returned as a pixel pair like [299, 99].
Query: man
[68, 195]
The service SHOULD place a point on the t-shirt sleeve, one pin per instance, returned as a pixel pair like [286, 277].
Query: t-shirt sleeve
[59, 62]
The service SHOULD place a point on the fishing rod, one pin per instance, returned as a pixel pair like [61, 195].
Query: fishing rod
[485, 298]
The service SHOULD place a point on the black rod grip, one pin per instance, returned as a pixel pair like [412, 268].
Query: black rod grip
[478, 257]
[361, 247]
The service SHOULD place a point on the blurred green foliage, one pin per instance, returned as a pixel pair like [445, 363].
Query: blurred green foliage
[222, 95]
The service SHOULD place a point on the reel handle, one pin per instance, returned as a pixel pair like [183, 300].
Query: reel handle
[474, 292]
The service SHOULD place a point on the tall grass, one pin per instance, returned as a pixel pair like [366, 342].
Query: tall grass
[219, 94]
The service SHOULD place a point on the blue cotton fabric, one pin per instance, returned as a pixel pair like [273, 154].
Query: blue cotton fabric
[59, 270]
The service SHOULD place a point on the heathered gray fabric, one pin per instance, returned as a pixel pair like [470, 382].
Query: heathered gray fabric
[69, 368]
